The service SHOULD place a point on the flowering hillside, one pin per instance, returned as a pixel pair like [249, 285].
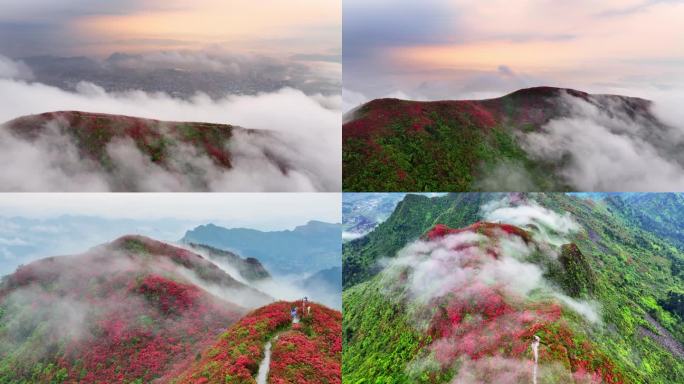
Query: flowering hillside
[515, 287]
[306, 352]
[131, 311]
[155, 139]
[310, 353]
[475, 317]
[83, 151]
[466, 145]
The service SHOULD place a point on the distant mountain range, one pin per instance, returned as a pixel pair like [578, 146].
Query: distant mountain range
[539, 138]
[305, 250]
[24, 240]
[467, 286]
[326, 285]
[331, 277]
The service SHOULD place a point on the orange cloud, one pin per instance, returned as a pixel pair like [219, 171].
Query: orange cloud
[488, 55]
[530, 41]
[219, 21]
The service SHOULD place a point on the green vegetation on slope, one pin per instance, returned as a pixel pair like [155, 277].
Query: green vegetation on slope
[378, 337]
[631, 272]
[451, 154]
[411, 218]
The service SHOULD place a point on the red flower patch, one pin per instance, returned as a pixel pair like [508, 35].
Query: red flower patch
[307, 352]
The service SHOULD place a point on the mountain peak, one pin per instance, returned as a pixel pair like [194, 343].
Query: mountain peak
[546, 91]
[314, 226]
[403, 145]
[146, 245]
[91, 312]
[481, 227]
[71, 115]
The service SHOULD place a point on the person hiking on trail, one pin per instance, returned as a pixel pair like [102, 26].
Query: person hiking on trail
[535, 350]
[295, 317]
[305, 301]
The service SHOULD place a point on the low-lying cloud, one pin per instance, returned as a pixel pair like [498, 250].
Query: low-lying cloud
[54, 163]
[245, 296]
[547, 226]
[71, 299]
[601, 145]
[289, 288]
[467, 274]
[280, 287]
[348, 236]
[306, 137]
[10, 69]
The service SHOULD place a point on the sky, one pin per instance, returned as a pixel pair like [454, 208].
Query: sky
[268, 55]
[265, 211]
[35, 225]
[100, 27]
[449, 49]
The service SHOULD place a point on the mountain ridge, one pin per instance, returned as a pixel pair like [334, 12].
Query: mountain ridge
[307, 248]
[478, 145]
[249, 268]
[107, 152]
[128, 310]
[305, 352]
[628, 273]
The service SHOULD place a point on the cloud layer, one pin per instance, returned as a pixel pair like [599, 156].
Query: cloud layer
[10, 69]
[79, 302]
[484, 284]
[602, 145]
[307, 137]
[455, 49]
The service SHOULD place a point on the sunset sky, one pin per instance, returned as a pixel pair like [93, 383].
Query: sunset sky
[436, 49]
[98, 27]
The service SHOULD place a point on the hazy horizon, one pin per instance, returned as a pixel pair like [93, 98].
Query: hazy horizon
[99, 28]
[33, 226]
